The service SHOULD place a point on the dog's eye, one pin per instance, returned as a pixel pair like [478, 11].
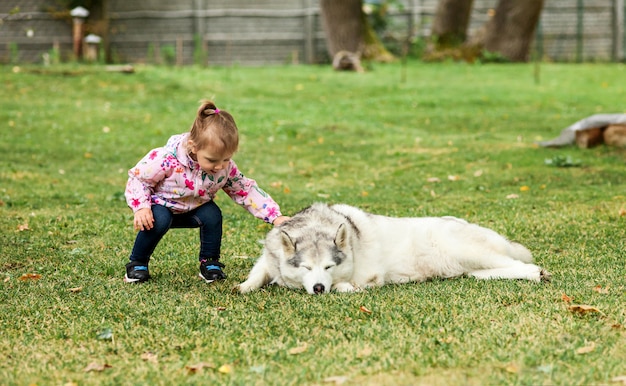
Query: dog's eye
[307, 267]
[329, 266]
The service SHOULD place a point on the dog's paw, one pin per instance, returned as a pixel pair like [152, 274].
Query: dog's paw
[345, 287]
[245, 287]
[545, 276]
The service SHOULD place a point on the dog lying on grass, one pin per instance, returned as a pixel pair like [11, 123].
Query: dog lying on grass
[343, 248]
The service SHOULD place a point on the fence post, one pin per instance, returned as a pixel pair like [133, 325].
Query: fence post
[309, 32]
[579, 30]
[618, 31]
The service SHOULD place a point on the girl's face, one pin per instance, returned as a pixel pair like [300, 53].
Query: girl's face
[211, 160]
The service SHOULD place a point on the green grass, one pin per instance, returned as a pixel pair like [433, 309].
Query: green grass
[68, 135]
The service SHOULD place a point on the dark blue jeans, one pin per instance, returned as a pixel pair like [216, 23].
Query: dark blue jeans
[207, 217]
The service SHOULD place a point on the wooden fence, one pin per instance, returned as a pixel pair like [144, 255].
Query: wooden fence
[246, 32]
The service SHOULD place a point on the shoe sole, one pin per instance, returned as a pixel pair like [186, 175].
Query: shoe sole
[129, 280]
[206, 280]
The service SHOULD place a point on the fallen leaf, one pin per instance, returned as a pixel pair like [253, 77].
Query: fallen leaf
[433, 194]
[566, 298]
[478, 173]
[512, 368]
[622, 212]
[298, 350]
[433, 179]
[30, 276]
[23, 227]
[587, 349]
[583, 309]
[94, 366]
[337, 380]
[601, 290]
[75, 289]
[6, 279]
[220, 308]
[620, 379]
[199, 366]
[225, 369]
[512, 196]
[454, 178]
[524, 188]
[365, 352]
[150, 357]
[364, 194]
[365, 310]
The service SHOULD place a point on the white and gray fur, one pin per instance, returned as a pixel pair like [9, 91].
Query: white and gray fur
[343, 248]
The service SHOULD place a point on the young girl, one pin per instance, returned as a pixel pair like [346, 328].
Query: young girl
[174, 187]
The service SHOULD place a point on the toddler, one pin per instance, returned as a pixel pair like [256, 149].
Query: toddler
[174, 187]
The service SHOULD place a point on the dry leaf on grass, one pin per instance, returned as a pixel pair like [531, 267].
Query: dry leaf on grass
[75, 289]
[365, 310]
[337, 380]
[583, 309]
[94, 366]
[512, 368]
[586, 349]
[601, 290]
[192, 369]
[512, 196]
[30, 276]
[23, 227]
[364, 352]
[622, 212]
[620, 379]
[433, 179]
[566, 298]
[150, 357]
[225, 369]
[298, 350]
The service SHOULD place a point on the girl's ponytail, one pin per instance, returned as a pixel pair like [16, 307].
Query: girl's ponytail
[207, 109]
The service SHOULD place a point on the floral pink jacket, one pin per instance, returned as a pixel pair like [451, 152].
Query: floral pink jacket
[168, 176]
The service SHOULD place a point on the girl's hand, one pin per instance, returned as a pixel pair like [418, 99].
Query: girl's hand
[143, 219]
[280, 220]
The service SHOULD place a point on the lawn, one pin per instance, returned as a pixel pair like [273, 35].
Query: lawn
[445, 139]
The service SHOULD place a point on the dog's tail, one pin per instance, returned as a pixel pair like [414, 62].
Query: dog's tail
[520, 252]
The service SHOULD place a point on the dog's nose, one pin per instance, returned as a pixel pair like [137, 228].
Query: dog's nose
[318, 288]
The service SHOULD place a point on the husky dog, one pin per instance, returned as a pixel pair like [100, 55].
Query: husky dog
[343, 248]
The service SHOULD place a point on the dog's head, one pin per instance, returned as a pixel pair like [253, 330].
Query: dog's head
[311, 258]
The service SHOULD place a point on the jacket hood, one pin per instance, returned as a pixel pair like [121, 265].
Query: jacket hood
[177, 145]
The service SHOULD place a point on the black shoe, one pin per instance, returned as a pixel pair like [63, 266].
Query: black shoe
[136, 272]
[211, 270]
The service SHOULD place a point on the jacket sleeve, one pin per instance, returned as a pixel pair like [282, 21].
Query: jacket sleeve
[245, 192]
[143, 178]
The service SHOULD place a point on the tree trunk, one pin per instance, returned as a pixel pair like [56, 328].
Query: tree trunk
[343, 25]
[449, 27]
[511, 30]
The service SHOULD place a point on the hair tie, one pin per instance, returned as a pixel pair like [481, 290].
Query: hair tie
[217, 111]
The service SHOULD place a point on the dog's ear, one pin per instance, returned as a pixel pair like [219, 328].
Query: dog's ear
[341, 237]
[288, 245]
